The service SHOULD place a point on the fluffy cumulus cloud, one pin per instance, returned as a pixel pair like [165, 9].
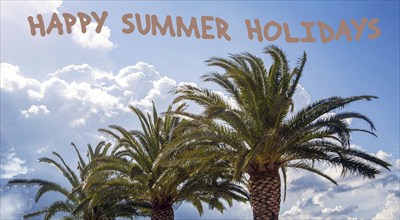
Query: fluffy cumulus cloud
[35, 110]
[12, 165]
[91, 39]
[391, 208]
[12, 79]
[161, 89]
[71, 104]
[75, 101]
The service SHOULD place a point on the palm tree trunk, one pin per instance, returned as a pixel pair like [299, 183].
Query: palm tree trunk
[162, 212]
[265, 195]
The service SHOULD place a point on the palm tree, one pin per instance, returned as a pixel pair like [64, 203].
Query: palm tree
[77, 200]
[256, 130]
[158, 186]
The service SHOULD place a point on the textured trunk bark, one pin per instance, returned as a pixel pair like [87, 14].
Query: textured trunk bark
[265, 195]
[162, 212]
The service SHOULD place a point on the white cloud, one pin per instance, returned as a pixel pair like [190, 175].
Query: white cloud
[80, 95]
[318, 199]
[41, 150]
[78, 122]
[396, 164]
[383, 155]
[12, 165]
[126, 78]
[305, 210]
[35, 110]
[137, 76]
[294, 210]
[12, 205]
[391, 208]
[161, 89]
[75, 73]
[87, 93]
[187, 83]
[91, 39]
[77, 97]
[34, 94]
[12, 80]
[338, 210]
[301, 98]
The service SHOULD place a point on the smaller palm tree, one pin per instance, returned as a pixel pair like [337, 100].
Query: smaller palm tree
[77, 201]
[158, 186]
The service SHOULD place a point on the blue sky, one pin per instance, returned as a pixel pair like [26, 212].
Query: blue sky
[61, 89]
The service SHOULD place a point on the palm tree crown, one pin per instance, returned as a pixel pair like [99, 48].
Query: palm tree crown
[77, 200]
[256, 129]
[158, 186]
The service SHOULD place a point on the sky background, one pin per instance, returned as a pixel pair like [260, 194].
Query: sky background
[60, 89]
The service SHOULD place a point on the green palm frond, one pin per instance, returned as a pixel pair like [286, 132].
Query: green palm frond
[44, 186]
[66, 173]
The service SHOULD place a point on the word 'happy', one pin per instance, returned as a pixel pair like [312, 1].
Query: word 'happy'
[205, 27]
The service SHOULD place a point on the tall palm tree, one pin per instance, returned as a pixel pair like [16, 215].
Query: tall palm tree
[77, 202]
[156, 185]
[255, 128]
